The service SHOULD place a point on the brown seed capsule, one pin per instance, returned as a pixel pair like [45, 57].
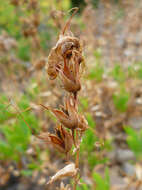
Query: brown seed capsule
[69, 116]
[54, 63]
[62, 140]
[70, 75]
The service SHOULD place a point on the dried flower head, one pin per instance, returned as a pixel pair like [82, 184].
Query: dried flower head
[63, 50]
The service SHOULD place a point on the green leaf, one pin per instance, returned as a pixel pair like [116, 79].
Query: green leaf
[84, 102]
[102, 183]
[121, 99]
[96, 73]
[90, 120]
[118, 74]
[134, 141]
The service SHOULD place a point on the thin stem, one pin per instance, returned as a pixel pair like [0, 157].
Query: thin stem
[74, 141]
[78, 150]
[77, 160]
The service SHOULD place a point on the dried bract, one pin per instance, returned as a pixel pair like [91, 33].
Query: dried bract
[69, 116]
[62, 140]
[67, 171]
[70, 75]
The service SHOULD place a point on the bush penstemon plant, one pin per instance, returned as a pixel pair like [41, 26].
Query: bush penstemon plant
[66, 61]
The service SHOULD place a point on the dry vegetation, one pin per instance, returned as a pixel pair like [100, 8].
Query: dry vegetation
[89, 67]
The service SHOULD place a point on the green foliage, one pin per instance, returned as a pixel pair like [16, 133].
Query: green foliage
[9, 20]
[31, 167]
[134, 141]
[29, 117]
[45, 37]
[118, 74]
[139, 70]
[33, 90]
[16, 141]
[88, 144]
[89, 139]
[23, 49]
[84, 102]
[102, 183]
[16, 134]
[95, 3]
[119, 13]
[131, 72]
[121, 99]
[4, 113]
[98, 70]
[90, 120]
[83, 186]
[27, 173]
[98, 54]
[96, 73]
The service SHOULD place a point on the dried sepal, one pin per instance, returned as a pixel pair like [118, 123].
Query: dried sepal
[69, 116]
[82, 123]
[68, 171]
[51, 139]
[61, 141]
[53, 64]
[70, 75]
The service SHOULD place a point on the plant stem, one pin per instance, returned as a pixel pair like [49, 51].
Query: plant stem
[78, 149]
[77, 160]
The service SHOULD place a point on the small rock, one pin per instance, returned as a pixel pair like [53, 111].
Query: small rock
[123, 155]
[116, 181]
[135, 122]
[128, 168]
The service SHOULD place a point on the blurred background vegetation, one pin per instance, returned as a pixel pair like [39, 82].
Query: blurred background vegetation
[111, 96]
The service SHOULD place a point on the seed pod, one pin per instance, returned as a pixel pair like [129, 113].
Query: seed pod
[70, 75]
[62, 140]
[63, 49]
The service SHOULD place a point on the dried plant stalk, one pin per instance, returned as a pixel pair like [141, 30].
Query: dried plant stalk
[65, 62]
